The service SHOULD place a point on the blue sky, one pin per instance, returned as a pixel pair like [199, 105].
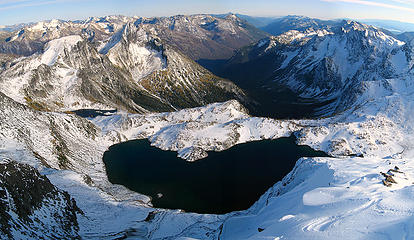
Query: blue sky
[18, 11]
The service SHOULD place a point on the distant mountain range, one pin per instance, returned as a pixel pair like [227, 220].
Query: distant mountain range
[277, 25]
[396, 27]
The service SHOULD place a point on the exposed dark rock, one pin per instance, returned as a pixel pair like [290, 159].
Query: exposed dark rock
[29, 202]
[205, 36]
[387, 184]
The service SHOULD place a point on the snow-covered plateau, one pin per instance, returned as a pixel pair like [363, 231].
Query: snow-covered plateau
[363, 191]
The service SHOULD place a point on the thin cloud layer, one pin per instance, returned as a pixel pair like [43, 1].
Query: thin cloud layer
[381, 4]
[14, 4]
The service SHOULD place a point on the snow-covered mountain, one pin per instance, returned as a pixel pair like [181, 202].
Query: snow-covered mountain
[133, 70]
[205, 36]
[332, 65]
[197, 36]
[32, 37]
[292, 22]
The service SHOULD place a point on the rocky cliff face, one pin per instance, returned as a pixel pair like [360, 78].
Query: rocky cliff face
[204, 36]
[32, 207]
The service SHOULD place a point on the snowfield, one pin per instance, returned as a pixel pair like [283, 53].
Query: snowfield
[322, 198]
[331, 198]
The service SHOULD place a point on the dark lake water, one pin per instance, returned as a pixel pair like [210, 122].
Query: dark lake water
[92, 112]
[223, 182]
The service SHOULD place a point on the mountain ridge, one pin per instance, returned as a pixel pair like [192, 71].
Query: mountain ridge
[328, 65]
[134, 70]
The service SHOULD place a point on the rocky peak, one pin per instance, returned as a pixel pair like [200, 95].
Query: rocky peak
[349, 25]
[369, 35]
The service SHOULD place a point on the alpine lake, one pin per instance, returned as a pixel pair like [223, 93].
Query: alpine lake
[225, 181]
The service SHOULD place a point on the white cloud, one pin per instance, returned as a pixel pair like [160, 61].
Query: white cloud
[13, 4]
[404, 1]
[379, 4]
[11, 1]
[20, 4]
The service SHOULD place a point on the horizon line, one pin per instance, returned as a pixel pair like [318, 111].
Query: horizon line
[193, 14]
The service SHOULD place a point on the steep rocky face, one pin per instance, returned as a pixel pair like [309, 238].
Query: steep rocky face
[57, 140]
[166, 73]
[134, 70]
[197, 36]
[204, 36]
[333, 65]
[31, 207]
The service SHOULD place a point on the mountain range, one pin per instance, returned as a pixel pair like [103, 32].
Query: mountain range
[342, 87]
[327, 66]
[100, 63]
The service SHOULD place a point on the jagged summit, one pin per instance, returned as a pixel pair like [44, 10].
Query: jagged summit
[331, 65]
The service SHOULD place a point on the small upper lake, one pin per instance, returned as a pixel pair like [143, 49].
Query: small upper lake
[223, 182]
[92, 113]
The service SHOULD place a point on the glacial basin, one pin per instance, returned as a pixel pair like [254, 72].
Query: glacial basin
[223, 182]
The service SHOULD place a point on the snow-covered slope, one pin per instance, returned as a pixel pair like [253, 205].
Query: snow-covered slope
[332, 199]
[216, 127]
[31, 207]
[133, 71]
[333, 65]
